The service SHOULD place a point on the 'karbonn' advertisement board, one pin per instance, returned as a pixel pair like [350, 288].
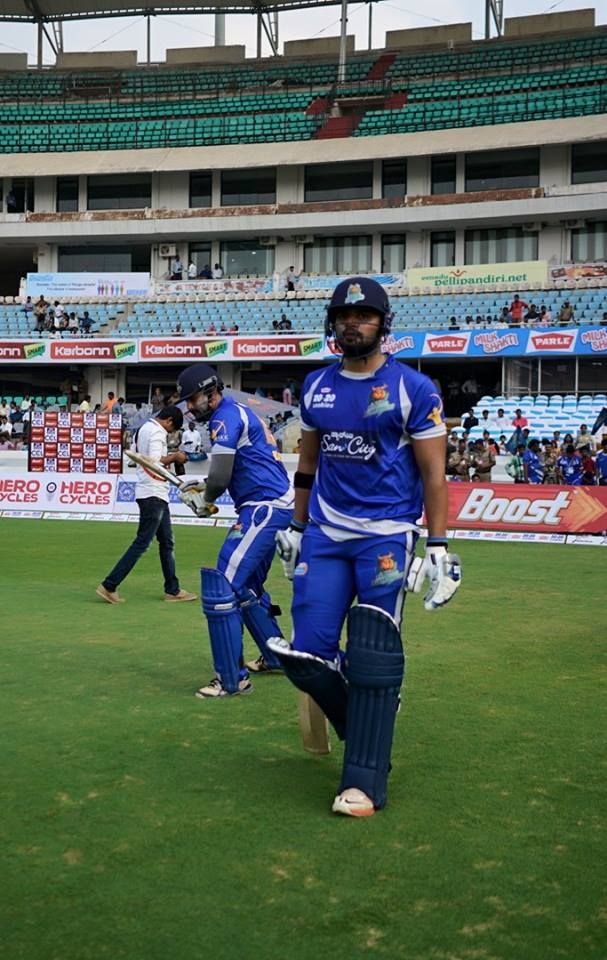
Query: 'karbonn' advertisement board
[458, 278]
[64, 286]
[472, 506]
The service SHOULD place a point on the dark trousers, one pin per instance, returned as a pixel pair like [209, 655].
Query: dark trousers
[154, 521]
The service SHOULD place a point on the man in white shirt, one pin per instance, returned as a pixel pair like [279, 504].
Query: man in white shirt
[152, 496]
[192, 270]
[85, 405]
[191, 441]
[26, 402]
[501, 422]
[217, 272]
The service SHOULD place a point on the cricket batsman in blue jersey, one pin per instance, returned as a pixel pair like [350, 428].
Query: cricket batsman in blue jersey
[245, 462]
[372, 456]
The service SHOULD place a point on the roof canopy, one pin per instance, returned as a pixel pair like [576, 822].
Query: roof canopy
[33, 11]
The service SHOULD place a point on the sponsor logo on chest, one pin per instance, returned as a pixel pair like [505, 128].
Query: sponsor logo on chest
[324, 399]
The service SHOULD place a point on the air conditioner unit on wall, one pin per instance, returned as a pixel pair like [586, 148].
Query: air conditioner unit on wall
[303, 238]
[167, 250]
[267, 241]
[531, 227]
[574, 224]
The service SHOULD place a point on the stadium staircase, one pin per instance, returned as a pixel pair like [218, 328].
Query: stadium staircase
[380, 68]
[339, 127]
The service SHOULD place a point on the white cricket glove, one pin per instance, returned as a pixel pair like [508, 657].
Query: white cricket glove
[288, 546]
[191, 492]
[443, 571]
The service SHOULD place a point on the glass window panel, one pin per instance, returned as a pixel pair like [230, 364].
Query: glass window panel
[200, 189]
[394, 178]
[589, 243]
[442, 175]
[341, 255]
[521, 376]
[442, 249]
[67, 194]
[122, 192]
[558, 376]
[246, 257]
[393, 249]
[592, 375]
[244, 187]
[104, 259]
[338, 181]
[589, 162]
[509, 245]
[503, 169]
[200, 253]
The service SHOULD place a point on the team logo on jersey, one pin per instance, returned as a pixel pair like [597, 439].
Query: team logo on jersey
[236, 532]
[436, 414]
[300, 570]
[379, 401]
[344, 445]
[218, 431]
[354, 294]
[387, 570]
[324, 399]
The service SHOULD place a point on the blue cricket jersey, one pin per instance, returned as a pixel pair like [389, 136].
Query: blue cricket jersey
[571, 468]
[535, 467]
[601, 464]
[367, 481]
[258, 476]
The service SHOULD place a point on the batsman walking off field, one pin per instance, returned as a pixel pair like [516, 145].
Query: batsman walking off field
[372, 454]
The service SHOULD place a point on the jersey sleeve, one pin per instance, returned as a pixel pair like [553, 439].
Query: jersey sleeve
[426, 417]
[225, 430]
[308, 419]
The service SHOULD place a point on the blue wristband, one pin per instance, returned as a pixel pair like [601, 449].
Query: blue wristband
[298, 525]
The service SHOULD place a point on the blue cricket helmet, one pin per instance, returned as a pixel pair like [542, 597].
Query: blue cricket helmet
[200, 376]
[362, 293]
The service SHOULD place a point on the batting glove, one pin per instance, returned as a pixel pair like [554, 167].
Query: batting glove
[191, 492]
[288, 546]
[443, 571]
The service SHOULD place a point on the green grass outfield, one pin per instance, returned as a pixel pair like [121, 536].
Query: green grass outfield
[140, 823]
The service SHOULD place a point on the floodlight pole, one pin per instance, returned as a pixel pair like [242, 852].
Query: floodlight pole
[341, 70]
[220, 29]
[148, 38]
[494, 10]
[370, 41]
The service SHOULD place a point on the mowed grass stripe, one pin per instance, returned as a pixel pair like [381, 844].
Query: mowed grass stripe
[141, 823]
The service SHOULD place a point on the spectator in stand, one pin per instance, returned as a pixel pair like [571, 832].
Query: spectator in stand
[601, 463]
[453, 324]
[533, 467]
[174, 446]
[109, 403]
[584, 438]
[545, 316]
[287, 396]
[191, 441]
[569, 467]
[291, 278]
[85, 406]
[138, 418]
[177, 332]
[157, 401]
[588, 467]
[469, 420]
[28, 306]
[458, 464]
[550, 455]
[519, 422]
[470, 390]
[566, 314]
[491, 443]
[274, 326]
[284, 323]
[5, 425]
[15, 415]
[217, 272]
[206, 273]
[500, 421]
[4, 408]
[192, 271]
[5, 441]
[27, 420]
[514, 467]
[211, 329]
[86, 323]
[485, 419]
[40, 309]
[532, 316]
[26, 402]
[479, 320]
[505, 316]
[233, 330]
[59, 311]
[502, 447]
[567, 439]
[483, 460]
[603, 321]
[177, 269]
[516, 310]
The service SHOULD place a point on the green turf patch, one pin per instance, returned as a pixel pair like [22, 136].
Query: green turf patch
[141, 823]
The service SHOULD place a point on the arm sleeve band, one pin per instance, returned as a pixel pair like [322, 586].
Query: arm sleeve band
[219, 476]
[303, 481]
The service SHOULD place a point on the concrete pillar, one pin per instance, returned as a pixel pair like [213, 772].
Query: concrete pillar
[47, 258]
[460, 247]
[551, 243]
[377, 179]
[82, 197]
[460, 173]
[555, 165]
[415, 254]
[418, 176]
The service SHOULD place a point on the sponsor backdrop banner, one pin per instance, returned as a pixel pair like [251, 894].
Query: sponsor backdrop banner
[579, 271]
[498, 506]
[53, 286]
[537, 509]
[264, 284]
[525, 271]
[578, 341]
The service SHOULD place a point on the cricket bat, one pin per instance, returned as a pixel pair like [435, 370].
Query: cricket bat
[314, 726]
[159, 470]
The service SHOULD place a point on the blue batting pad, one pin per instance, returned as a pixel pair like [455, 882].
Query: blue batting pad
[374, 666]
[258, 616]
[322, 680]
[225, 626]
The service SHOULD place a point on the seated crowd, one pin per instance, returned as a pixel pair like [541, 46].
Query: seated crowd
[57, 319]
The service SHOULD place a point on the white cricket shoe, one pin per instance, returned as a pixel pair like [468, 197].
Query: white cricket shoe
[215, 689]
[353, 803]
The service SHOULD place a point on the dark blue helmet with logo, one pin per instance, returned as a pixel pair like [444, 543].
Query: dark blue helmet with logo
[359, 293]
[200, 376]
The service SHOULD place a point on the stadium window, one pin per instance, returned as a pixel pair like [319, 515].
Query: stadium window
[442, 175]
[244, 187]
[200, 253]
[590, 242]
[130, 191]
[338, 255]
[509, 245]
[104, 259]
[503, 169]
[338, 181]
[592, 374]
[442, 249]
[393, 248]
[589, 162]
[67, 194]
[20, 195]
[248, 257]
[558, 376]
[394, 178]
[200, 189]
